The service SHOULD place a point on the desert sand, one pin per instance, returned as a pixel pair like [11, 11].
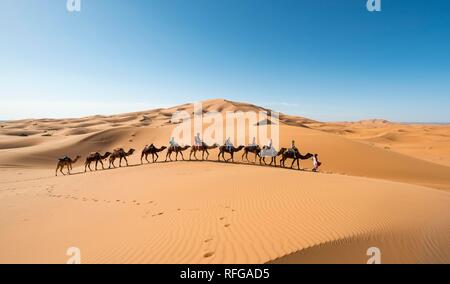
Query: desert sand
[382, 184]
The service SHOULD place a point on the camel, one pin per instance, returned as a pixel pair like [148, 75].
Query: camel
[65, 162]
[225, 149]
[97, 158]
[153, 151]
[120, 154]
[274, 158]
[176, 149]
[295, 156]
[204, 148]
[251, 149]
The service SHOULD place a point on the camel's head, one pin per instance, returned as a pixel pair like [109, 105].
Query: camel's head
[215, 145]
[240, 147]
[107, 154]
[131, 151]
[163, 148]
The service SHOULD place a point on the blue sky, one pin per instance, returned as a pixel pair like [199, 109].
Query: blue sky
[327, 60]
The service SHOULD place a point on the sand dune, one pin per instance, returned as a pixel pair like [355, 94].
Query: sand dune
[382, 184]
[177, 213]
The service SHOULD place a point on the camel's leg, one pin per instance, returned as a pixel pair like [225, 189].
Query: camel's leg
[57, 168]
[176, 156]
[298, 164]
[207, 154]
[101, 163]
[243, 155]
[89, 166]
[96, 165]
[126, 161]
[120, 162]
[146, 158]
[85, 166]
[181, 153]
[68, 169]
[292, 165]
[231, 155]
[142, 156]
[168, 155]
[190, 154]
[195, 155]
[157, 157]
[61, 170]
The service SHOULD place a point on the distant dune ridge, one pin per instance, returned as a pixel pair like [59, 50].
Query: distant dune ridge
[382, 184]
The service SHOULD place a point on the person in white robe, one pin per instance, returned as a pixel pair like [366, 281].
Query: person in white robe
[198, 140]
[172, 143]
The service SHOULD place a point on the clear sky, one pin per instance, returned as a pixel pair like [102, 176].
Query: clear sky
[326, 60]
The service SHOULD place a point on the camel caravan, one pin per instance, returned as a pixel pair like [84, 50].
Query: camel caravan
[261, 153]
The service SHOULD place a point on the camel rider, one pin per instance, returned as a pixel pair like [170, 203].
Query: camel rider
[294, 149]
[253, 144]
[269, 145]
[198, 140]
[172, 143]
[228, 144]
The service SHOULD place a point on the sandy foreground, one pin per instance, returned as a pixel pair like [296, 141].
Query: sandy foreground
[382, 185]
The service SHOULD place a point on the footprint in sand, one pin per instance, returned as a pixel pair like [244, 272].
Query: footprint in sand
[159, 214]
[227, 225]
[208, 254]
[208, 240]
[222, 218]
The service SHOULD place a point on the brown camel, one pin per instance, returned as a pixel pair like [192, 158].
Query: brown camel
[251, 149]
[151, 149]
[273, 159]
[230, 150]
[204, 149]
[97, 158]
[120, 154]
[65, 162]
[176, 149]
[295, 156]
